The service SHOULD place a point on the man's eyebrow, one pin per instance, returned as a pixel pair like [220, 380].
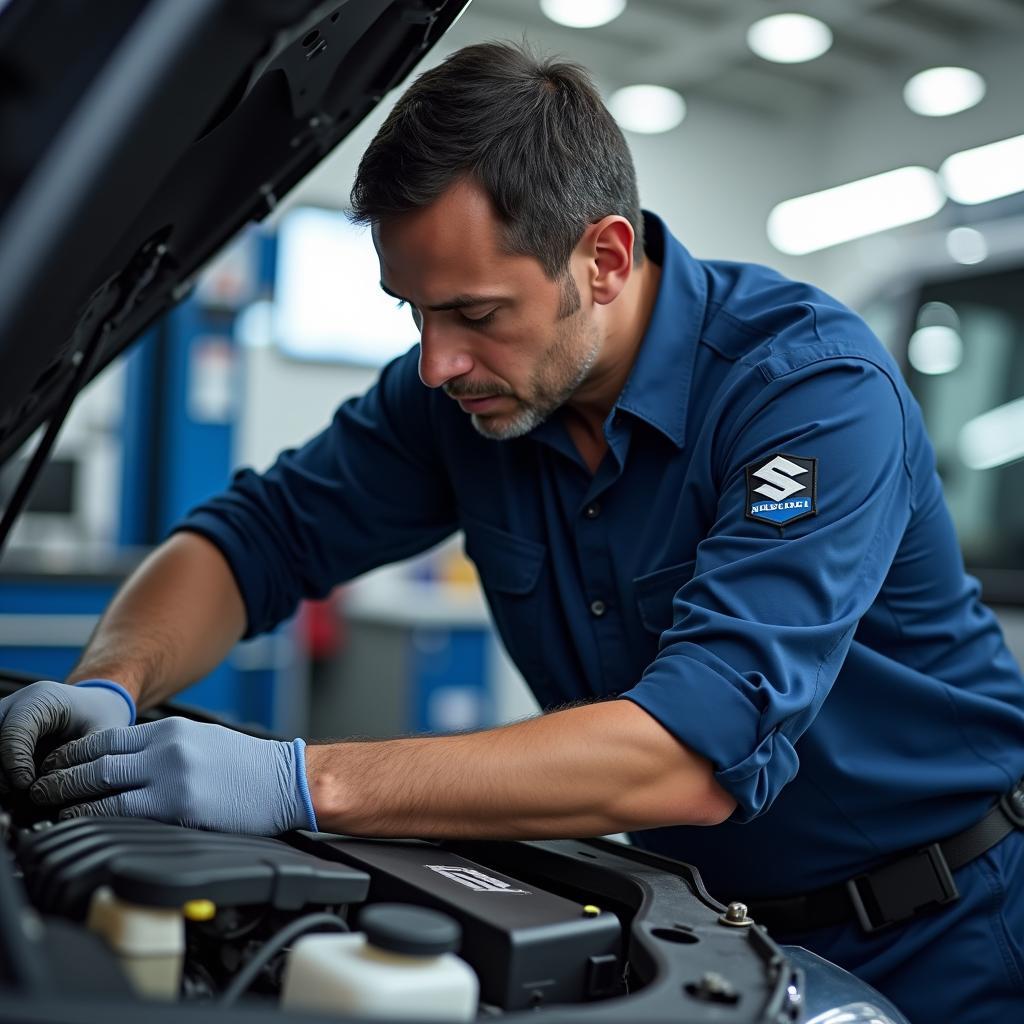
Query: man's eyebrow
[458, 302]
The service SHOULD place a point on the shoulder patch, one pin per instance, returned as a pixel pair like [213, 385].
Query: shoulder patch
[782, 488]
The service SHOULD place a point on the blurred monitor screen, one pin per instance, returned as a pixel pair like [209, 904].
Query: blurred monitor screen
[328, 304]
[53, 492]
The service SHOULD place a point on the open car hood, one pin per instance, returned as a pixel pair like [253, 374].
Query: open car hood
[138, 136]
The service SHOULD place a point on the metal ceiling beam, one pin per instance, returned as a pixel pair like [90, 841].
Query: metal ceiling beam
[881, 24]
[993, 14]
[723, 49]
[758, 92]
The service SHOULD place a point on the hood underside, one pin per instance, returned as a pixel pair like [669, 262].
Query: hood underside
[137, 137]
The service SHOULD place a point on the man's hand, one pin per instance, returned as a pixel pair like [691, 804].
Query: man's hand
[52, 713]
[182, 772]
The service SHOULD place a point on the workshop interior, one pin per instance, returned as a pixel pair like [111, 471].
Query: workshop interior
[174, 181]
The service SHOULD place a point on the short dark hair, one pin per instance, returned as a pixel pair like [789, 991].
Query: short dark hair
[532, 131]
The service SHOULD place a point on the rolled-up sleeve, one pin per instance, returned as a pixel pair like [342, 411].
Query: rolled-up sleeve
[761, 630]
[370, 489]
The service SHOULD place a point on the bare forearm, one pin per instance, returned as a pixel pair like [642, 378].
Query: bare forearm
[588, 771]
[172, 622]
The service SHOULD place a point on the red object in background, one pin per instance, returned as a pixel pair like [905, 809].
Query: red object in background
[322, 627]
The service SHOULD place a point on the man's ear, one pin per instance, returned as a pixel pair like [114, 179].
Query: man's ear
[609, 251]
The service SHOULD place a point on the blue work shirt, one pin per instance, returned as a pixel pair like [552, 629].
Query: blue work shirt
[763, 561]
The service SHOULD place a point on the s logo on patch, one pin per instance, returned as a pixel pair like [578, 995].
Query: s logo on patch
[781, 489]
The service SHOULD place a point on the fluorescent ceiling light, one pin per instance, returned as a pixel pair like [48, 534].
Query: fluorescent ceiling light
[966, 245]
[582, 13]
[939, 92]
[789, 38]
[994, 438]
[986, 173]
[809, 223]
[935, 350]
[647, 108]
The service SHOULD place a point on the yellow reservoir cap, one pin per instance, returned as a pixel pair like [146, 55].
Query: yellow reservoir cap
[199, 910]
[591, 911]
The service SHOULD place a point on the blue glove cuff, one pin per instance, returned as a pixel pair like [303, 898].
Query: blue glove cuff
[107, 684]
[300, 778]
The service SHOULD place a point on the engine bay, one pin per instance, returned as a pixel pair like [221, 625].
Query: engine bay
[581, 929]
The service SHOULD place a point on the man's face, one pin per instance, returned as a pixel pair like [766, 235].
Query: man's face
[505, 341]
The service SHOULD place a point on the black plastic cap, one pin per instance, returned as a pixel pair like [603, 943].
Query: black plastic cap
[417, 931]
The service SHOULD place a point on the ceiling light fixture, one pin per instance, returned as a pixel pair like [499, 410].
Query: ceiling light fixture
[986, 173]
[582, 13]
[939, 92]
[648, 109]
[816, 221]
[966, 246]
[789, 38]
[935, 350]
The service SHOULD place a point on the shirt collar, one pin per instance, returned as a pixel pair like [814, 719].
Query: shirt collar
[658, 388]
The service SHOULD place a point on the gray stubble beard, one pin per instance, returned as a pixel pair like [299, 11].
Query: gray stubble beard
[544, 384]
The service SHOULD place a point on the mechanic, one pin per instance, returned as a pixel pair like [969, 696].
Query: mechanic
[710, 530]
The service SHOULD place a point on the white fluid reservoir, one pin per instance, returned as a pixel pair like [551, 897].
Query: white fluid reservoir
[149, 942]
[402, 966]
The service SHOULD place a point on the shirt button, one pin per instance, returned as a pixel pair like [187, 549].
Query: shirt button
[597, 608]
[593, 510]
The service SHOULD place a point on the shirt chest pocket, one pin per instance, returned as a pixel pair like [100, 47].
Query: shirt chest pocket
[655, 591]
[507, 564]
[510, 568]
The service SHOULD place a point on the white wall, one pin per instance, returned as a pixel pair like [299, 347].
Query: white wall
[287, 401]
[716, 182]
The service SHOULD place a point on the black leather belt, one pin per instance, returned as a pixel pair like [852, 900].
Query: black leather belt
[900, 890]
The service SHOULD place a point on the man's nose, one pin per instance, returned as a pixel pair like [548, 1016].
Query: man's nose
[443, 357]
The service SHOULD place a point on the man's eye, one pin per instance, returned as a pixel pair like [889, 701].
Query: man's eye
[479, 321]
